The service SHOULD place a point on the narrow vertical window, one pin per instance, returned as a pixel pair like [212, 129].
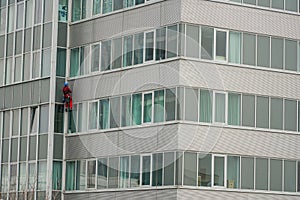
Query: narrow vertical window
[233, 172]
[276, 115]
[160, 52]
[206, 99]
[63, 11]
[275, 175]
[157, 161]
[135, 171]
[219, 171]
[146, 165]
[262, 112]
[107, 6]
[42, 174]
[74, 63]
[170, 104]
[102, 173]
[124, 172]
[249, 49]
[289, 176]
[204, 170]
[261, 174]
[149, 40]
[33, 119]
[95, 58]
[221, 45]
[80, 175]
[219, 107]
[290, 115]
[70, 175]
[207, 42]
[247, 173]
[264, 3]
[234, 109]
[114, 112]
[159, 111]
[147, 116]
[57, 175]
[278, 4]
[126, 111]
[191, 104]
[127, 50]
[291, 55]
[138, 48]
[116, 53]
[169, 165]
[96, 7]
[190, 169]
[118, 4]
[113, 172]
[248, 108]
[277, 53]
[172, 41]
[103, 113]
[76, 10]
[105, 55]
[91, 174]
[136, 109]
[192, 41]
[263, 51]
[93, 115]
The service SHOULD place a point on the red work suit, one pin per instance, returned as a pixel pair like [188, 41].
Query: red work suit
[67, 97]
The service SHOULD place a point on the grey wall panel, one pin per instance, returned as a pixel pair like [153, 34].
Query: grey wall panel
[238, 141]
[240, 79]
[130, 21]
[240, 18]
[183, 194]
[131, 141]
[167, 194]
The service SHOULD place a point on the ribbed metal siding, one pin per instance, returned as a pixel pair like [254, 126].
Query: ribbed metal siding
[133, 20]
[240, 79]
[240, 18]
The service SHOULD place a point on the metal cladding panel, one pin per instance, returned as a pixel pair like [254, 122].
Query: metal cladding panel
[183, 194]
[238, 17]
[167, 194]
[240, 79]
[129, 21]
[130, 141]
[238, 141]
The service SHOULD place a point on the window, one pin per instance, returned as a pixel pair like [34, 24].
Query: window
[135, 171]
[84, 60]
[20, 13]
[5, 150]
[136, 109]
[37, 37]
[277, 53]
[63, 11]
[38, 11]
[57, 175]
[61, 62]
[91, 174]
[204, 170]
[105, 55]
[16, 123]
[4, 178]
[149, 42]
[233, 172]
[249, 49]
[128, 3]
[107, 6]
[278, 4]
[82, 117]
[32, 176]
[70, 175]
[18, 69]
[24, 121]
[81, 175]
[290, 115]
[124, 172]
[42, 174]
[93, 115]
[14, 150]
[114, 112]
[207, 42]
[190, 169]
[264, 3]
[191, 104]
[219, 107]
[127, 50]
[13, 177]
[137, 2]
[76, 10]
[276, 175]
[291, 55]
[102, 173]
[27, 40]
[192, 41]
[251, 2]
[291, 5]
[157, 166]
[113, 172]
[2, 20]
[9, 70]
[169, 168]
[44, 119]
[43, 146]
[47, 35]
[33, 119]
[276, 113]
[261, 174]
[148, 108]
[96, 7]
[95, 57]
[206, 97]
[221, 45]
[262, 112]
[234, 109]
[23, 149]
[59, 119]
[146, 170]
[172, 41]
[118, 4]
[289, 176]
[74, 63]
[126, 111]
[103, 113]
[180, 103]
[116, 53]
[36, 64]
[48, 10]
[263, 51]
[22, 177]
[11, 18]
[159, 106]
[170, 104]
[29, 12]
[178, 169]
[138, 48]
[219, 171]
[248, 114]
[247, 175]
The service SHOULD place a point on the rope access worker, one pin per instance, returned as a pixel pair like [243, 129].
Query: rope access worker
[67, 97]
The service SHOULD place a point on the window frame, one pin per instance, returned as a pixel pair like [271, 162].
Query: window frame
[152, 106]
[215, 45]
[141, 169]
[213, 170]
[145, 46]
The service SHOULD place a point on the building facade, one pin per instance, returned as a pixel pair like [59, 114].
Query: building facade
[175, 99]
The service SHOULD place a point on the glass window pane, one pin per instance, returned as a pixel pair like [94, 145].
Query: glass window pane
[220, 107]
[9, 44]
[262, 112]
[4, 178]
[114, 112]
[219, 170]
[278, 4]
[58, 146]
[61, 62]
[81, 175]
[170, 104]
[138, 48]
[38, 11]
[13, 178]
[46, 63]
[95, 57]
[190, 169]
[124, 172]
[249, 49]
[169, 168]
[70, 175]
[117, 53]
[107, 6]
[118, 4]
[37, 37]
[32, 175]
[14, 150]
[248, 108]
[264, 3]
[5, 150]
[159, 110]
[20, 13]
[18, 69]
[2, 20]
[47, 34]
[113, 172]
[105, 55]
[204, 170]
[251, 2]
[146, 164]
[137, 2]
[157, 161]
[180, 103]
[289, 176]
[23, 149]
[96, 7]
[93, 114]
[147, 108]
[74, 63]
[172, 41]
[27, 40]
[63, 11]
[82, 117]
[276, 113]
[16, 122]
[291, 55]
[191, 104]
[2, 43]
[291, 5]
[160, 52]
[221, 45]
[192, 41]
[263, 51]
[29, 13]
[91, 174]
[275, 175]
[277, 53]
[126, 111]
[6, 124]
[290, 115]
[43, 146]
[22, 177]
[76, 10]
[233, 172]
[234, 109]
[24, 121]
[11, 18]
[102, 173]
[36, 65]
[135, 171]
[103, 113]
[149, 54]
[44, 119]
[178, 170]
[42, 174]
[247, 175]
[32, 148]
[33, 120]
[127, 50]
[9, 70]
[207, 42]
[136, 109]
[56, 176]
[261, 174]
[48, 10]
[206, 106]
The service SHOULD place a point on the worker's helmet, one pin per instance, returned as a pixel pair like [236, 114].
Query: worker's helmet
[66, 83]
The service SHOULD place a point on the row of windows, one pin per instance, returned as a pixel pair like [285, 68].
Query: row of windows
[29, 177]
[25, 14]
[192, 41]
[188, 168]
[287, 5]
[190, 104]
[82, 9]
